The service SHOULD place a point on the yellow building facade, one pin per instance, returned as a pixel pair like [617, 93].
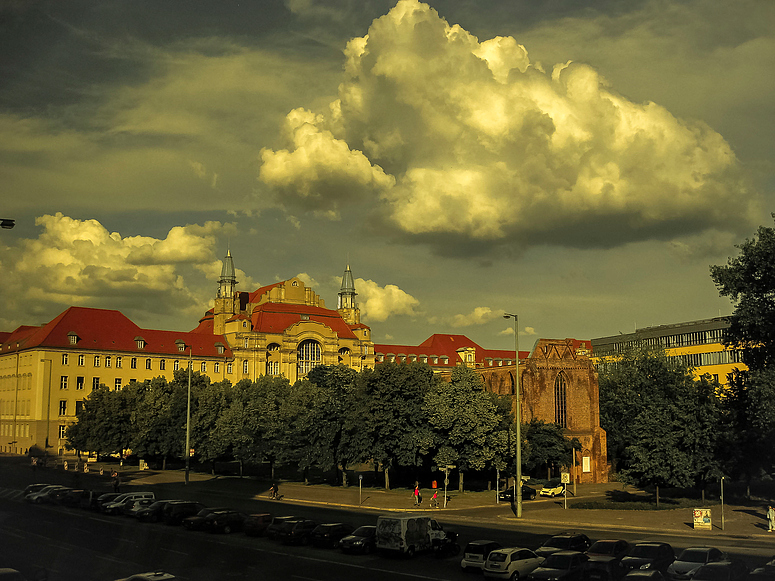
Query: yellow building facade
[283, 329]
[698, 344]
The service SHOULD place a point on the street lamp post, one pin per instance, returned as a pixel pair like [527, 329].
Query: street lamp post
[518, 414]
[187, 451]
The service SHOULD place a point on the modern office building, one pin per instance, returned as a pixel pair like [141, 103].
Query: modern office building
[698, 344]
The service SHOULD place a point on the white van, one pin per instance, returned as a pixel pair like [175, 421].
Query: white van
[114, 507]
[407, 533]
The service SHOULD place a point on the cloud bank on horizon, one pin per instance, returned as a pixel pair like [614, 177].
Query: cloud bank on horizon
[455, 142]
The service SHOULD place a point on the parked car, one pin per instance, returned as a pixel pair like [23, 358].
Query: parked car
[562, 566]
[30, 488]
[328, 535]
[735, 570]
[564, 542]
[507, 494]
[256, 524]
[605, 559]
[75, 498]
[224, 521]
[644, 575]
[552, 490]
[178, 510]
[56, 496]
[116, 506]
[511, 564]
[765, 573]
[475, 554]
[153, 512]
[43, 495]
[649, 555]
[686, 564]
[104, 499]
[150, 576]
[132, 507]
[362, 540]
[196, 522]
[296, 532]
[277, 522]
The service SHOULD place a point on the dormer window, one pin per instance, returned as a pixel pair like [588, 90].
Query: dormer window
[219, 348]
[305, 317]
[181, 345]
[72, 338]
[140, 342]
[244, 324]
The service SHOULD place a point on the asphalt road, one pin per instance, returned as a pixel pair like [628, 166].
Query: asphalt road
[71, 544]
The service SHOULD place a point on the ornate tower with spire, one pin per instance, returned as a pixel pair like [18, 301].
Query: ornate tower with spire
[346, 305]
[225, 307]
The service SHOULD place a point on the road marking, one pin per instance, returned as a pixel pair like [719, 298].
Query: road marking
[351, 565]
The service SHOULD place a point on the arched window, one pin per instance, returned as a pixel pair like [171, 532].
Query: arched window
[273, 359]
[307, 356]
[560, 406]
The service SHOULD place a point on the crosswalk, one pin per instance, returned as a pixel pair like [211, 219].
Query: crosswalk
[12, 494]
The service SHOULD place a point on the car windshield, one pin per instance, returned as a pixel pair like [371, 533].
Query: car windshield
[558, 561]
[364, 531]
[648, 551]
[498, 557]
[694, 555]
[603, 548]
[477, 549]
[558, 543]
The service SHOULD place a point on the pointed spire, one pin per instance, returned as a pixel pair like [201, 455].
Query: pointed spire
[347, 293]
[228, 279]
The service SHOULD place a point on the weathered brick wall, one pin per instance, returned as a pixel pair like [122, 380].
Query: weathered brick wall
[538, 375]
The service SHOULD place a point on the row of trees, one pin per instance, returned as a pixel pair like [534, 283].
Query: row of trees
[398, 416]
[667, 429]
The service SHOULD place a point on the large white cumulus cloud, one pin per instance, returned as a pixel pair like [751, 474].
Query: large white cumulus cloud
[80, 262]
[452, 137]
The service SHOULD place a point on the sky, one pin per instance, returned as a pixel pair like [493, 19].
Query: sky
[578, 164]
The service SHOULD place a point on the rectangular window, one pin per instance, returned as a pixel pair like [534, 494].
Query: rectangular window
[118, 362]
[148, 363]
[133, 363]
[117, 384]
[79, 382]
[162, 365]
[176, 365]
[81, 360]
[78, 407]
[96, 361]
[245, 366]
[216, 367]
[63, 382]
[229, 368]
[62, 429]
[95, 382]
[203, 367]
[107, 360]
[65, 358]
[272, 367]
[62, 407]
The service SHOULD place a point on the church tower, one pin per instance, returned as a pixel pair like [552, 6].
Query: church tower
[346, 305]
[224, 301]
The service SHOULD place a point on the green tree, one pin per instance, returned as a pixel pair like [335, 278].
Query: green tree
[104, 423]
[546, 445]
[390, 412]
[468, 425]
[208, 403]
[749, 281]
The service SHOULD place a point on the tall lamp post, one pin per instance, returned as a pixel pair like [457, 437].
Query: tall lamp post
[187, 451]
[518, 462]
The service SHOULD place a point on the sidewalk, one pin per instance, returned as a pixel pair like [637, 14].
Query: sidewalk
[739, 521]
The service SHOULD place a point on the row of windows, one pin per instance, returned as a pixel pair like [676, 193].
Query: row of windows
[726, 357]
[23, 408]
[435, 359]
[665, 341]
[14, 382]
[22, 430]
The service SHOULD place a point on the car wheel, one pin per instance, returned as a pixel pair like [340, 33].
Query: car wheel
[366, 549]
[532, 496]
[515, 576]
[410, 552]
[227, 529]
[455, 550]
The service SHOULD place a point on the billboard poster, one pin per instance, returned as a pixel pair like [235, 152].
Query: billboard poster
[702, 519]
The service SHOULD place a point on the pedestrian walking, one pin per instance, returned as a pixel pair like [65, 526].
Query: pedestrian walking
[435, 499]
[770, 519]
[116, 482]
[417, 497]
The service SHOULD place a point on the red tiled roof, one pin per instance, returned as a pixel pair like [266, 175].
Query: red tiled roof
[441, 345]
[256, 294]
[277, 317]
[109, 330]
